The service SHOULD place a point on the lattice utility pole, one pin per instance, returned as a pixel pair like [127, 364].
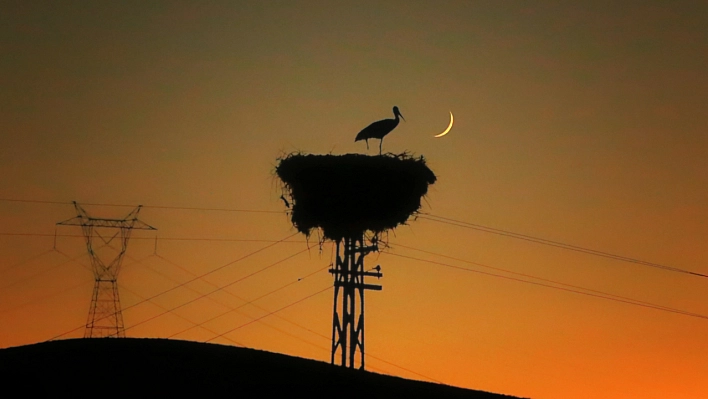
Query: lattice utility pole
[344, 197]
[105, 318]
[348, 326]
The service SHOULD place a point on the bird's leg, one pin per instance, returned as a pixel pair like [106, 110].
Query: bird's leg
[367, 143]
[380, 143]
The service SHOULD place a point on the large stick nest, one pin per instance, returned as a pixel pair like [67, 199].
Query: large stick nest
[347, 195]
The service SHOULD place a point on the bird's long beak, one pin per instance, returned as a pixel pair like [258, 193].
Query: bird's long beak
[397, 112]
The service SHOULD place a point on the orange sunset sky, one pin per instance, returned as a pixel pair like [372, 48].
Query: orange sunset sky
[583, 124]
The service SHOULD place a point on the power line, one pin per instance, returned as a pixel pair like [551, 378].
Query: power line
[215, 290]
[486, 229]
[182, 208]
[69, 259]
[269, 314]
[403, 368]
[434, 218]
[274, 313]
[178, 315]
[427, 216]
[34, 201]
[151, 238]
[528, 275]
[251, 302]
[201, 324]
[595, 294]
[194, 324]
[44, 297]
[186, 282]
[26, 261]
[41, 272]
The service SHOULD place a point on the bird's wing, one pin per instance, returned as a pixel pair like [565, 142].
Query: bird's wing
[365, 133]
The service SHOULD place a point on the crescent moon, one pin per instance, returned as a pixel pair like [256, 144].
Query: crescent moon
[448, 128]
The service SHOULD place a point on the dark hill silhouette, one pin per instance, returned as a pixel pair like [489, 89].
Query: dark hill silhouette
[141, 367]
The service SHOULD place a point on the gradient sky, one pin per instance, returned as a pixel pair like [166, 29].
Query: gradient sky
[584, 124]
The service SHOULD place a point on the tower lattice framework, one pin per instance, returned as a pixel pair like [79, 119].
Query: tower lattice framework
[105, 318]
[349, 287]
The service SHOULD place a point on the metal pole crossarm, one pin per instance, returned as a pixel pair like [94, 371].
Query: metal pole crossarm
[112, 223]
[366, 250]
[359, 286]
[372, 274]
[131, 221]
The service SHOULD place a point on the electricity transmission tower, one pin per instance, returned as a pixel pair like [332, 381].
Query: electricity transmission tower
[348, 321]
[105, 318]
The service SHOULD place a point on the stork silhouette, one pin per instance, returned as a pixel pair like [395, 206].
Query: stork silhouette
[379, 129]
